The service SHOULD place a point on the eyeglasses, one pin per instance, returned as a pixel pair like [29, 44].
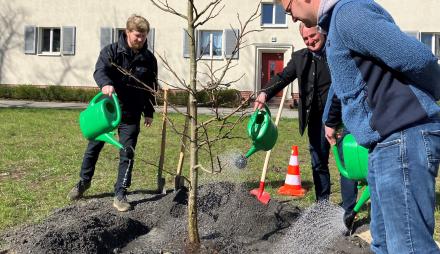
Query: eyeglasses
[288, 8]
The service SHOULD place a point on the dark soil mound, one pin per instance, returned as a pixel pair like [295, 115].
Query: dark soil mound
[230, 221]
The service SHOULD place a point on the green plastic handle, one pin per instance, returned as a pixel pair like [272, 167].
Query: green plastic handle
[267, 121]
[93, 101]
[267, 110]
[116, 122]
[341, 168]
[254, 116]
[254, 133]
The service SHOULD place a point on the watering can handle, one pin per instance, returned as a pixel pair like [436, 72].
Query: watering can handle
[253, 131]
[339, 165]
[267, 110]
[116, 122]
[93, 101]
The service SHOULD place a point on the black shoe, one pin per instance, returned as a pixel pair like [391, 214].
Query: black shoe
[120, 202]
[78, 191]
[349, 219]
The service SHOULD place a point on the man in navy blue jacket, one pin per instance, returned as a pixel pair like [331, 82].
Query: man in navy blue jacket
[131, 54]
[388, 84]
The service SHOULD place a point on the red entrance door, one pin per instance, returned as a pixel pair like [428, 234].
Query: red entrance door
[271, 64]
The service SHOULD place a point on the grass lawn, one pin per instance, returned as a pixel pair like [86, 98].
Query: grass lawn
[41, 153]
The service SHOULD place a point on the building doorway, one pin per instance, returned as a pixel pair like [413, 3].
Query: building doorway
[271, 64]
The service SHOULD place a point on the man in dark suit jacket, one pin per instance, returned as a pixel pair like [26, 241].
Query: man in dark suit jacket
[309, 66]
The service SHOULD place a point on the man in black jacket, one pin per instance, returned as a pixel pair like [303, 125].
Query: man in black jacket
[131, 54]
[309, 66]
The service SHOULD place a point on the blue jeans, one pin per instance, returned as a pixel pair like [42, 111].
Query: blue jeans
[401, 176]
[128, 134]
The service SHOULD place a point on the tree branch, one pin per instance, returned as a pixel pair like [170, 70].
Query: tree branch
[167, 8]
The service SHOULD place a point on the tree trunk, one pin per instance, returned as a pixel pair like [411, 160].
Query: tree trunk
[193, 230]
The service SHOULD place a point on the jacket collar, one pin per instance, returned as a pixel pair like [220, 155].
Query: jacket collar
[122, 43]
[325, 12]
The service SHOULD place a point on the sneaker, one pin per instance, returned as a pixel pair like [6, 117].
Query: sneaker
[120, 203]
[78, 191]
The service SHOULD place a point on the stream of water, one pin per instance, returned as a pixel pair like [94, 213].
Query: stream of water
[315, 230]
[232, 160]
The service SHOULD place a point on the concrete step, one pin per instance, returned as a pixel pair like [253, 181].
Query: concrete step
[275, 101]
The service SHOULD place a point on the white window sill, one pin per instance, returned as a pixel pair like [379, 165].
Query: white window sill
[49, 54]
[274, 26]
[211, 58]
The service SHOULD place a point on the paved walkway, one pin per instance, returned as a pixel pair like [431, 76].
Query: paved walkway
[287, 113]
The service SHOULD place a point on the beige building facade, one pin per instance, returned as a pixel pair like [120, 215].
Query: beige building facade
[47, 42]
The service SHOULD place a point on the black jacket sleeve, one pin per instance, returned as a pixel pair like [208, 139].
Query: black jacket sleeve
[103, 68]
[282, 79]
[334, 116]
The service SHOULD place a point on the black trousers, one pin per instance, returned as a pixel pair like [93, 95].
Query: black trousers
[319, 153]
[128, 134]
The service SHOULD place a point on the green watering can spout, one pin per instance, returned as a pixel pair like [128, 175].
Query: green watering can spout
[251, 151]
[262, 131]
[109, 138]
[100, 118]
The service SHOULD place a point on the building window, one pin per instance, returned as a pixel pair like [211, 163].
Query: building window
[119, 32]
[432, 41]
[50, 40]
[210, 44]
[213, 44]
[273, 15]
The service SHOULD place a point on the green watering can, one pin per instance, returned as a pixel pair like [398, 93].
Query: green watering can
[356, 168]
[100, 118]
[262, 131]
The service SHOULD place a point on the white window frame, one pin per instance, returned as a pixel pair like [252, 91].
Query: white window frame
[117, 30]
[435, 41]
[436, 44]
[211, 38]
[40, 42]
[272, 25]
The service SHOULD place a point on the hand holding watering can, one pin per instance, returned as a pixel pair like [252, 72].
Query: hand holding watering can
[260, 101]
[109, 90]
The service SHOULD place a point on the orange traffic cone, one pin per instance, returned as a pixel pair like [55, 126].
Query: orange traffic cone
[292, 185]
